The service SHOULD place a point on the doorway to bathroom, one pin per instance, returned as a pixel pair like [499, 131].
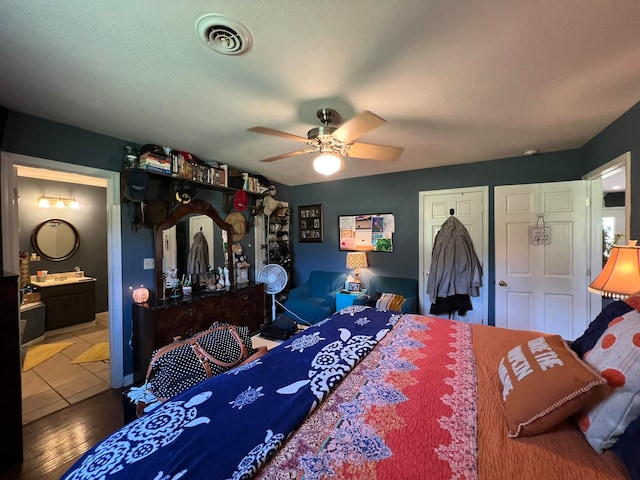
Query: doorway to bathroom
[10, 238]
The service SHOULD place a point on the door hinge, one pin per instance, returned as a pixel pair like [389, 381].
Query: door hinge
[588, 201]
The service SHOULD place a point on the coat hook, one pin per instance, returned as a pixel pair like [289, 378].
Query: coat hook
[451, 211]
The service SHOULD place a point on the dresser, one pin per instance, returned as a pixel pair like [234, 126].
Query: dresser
[11, 403]
[157, 324]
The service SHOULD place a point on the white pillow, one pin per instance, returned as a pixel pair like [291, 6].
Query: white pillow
[616, 356]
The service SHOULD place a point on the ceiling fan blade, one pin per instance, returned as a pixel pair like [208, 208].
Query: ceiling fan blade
[358, 126]
[290, 154]
[371, 151]
[278, 133]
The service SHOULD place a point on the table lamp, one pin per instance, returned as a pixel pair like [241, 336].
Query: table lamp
[620, 277]
[356, 261]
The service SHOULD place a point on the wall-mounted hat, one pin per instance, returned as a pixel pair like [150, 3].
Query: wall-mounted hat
[151, 148]
[185, 192]
[155, 212]
[137, 184]
[239, 224]
[270, 204]
[240, 200]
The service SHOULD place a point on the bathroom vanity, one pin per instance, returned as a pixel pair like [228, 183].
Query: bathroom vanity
[70, 299]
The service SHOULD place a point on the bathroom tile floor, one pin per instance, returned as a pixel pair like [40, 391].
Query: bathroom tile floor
[57, 383]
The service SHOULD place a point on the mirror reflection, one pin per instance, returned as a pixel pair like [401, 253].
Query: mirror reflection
[194, 228]
[55, 239]
[192, 247]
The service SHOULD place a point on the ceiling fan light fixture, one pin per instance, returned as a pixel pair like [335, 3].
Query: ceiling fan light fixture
[327, 163]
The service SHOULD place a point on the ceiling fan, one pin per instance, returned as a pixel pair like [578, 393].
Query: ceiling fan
[332, 140]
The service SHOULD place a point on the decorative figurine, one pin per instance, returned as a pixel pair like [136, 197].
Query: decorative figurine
[227, 283]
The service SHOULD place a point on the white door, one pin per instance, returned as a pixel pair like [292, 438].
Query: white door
[542, 287]
[467, 204]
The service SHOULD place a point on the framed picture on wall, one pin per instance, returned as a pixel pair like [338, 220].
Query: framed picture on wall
[310, 223]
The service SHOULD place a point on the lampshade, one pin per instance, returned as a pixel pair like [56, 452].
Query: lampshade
[327, 163]
[356, 260]
[620, 277]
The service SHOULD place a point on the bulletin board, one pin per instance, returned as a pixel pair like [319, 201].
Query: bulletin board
[366, 232]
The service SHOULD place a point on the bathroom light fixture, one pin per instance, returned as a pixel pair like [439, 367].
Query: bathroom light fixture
[59, 202]
[327, 163]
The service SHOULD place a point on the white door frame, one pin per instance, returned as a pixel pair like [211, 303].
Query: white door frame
[595, 254]
[483, 254]
[10, 242]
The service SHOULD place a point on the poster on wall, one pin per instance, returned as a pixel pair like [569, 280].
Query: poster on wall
[366, 232]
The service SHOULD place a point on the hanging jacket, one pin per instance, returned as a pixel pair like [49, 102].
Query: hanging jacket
[198, 259]
[455, 267]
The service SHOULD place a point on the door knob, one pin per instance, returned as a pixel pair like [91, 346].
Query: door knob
[502, 283]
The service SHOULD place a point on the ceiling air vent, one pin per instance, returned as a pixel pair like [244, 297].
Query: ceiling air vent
[223, 34]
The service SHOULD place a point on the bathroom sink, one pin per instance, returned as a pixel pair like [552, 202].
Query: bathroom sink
[54, 279]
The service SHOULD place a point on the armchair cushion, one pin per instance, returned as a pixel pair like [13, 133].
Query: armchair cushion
[315, 299]
[407, 287]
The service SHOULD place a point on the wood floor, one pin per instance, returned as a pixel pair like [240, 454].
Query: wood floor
[51, 444]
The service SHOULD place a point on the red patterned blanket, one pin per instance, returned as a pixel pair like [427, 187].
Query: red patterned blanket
[367, 427]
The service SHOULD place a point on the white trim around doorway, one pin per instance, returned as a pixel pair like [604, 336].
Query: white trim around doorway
[8, 163]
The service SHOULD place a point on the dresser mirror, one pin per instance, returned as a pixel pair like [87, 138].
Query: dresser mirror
[191, 228]
[55, 239]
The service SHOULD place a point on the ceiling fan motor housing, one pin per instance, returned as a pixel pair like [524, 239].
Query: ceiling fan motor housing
[318, 132]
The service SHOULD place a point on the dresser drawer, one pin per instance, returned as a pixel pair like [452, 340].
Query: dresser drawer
[183, 321]
[156, 326]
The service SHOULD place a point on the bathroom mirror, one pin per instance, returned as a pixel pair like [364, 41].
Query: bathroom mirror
[193, 211]
[55, 239]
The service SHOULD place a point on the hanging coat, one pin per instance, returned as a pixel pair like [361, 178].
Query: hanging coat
[198, 259]
[455, 267]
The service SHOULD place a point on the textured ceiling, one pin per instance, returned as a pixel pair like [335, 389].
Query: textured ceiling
[457, 81]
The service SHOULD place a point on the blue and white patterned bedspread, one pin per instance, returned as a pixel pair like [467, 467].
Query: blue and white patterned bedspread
[227, 427]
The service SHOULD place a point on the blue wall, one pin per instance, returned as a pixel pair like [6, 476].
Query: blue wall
[399, 194]
[395, 193]
[621, 136]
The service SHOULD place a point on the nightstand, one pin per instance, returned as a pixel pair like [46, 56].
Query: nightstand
[345, 299]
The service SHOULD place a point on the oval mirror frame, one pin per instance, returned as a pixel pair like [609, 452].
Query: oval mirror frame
[55, 239]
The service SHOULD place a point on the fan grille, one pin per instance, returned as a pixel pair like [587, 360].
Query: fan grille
[274, 277]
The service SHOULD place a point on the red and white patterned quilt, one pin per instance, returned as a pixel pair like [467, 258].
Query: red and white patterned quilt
[367, 428]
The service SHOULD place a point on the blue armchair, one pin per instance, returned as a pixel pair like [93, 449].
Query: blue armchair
[407, 287]
[315, 300]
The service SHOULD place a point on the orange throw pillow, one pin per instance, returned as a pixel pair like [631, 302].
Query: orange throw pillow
[543, 383]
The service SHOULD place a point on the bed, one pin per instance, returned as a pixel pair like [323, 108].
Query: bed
[364, 394]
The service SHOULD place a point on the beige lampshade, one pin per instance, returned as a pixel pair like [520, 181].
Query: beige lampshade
[620, 277]
[357, 260]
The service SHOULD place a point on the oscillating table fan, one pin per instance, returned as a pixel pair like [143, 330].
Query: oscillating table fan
[275, 278]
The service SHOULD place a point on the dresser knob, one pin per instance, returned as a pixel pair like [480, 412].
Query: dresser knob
[191, 312]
